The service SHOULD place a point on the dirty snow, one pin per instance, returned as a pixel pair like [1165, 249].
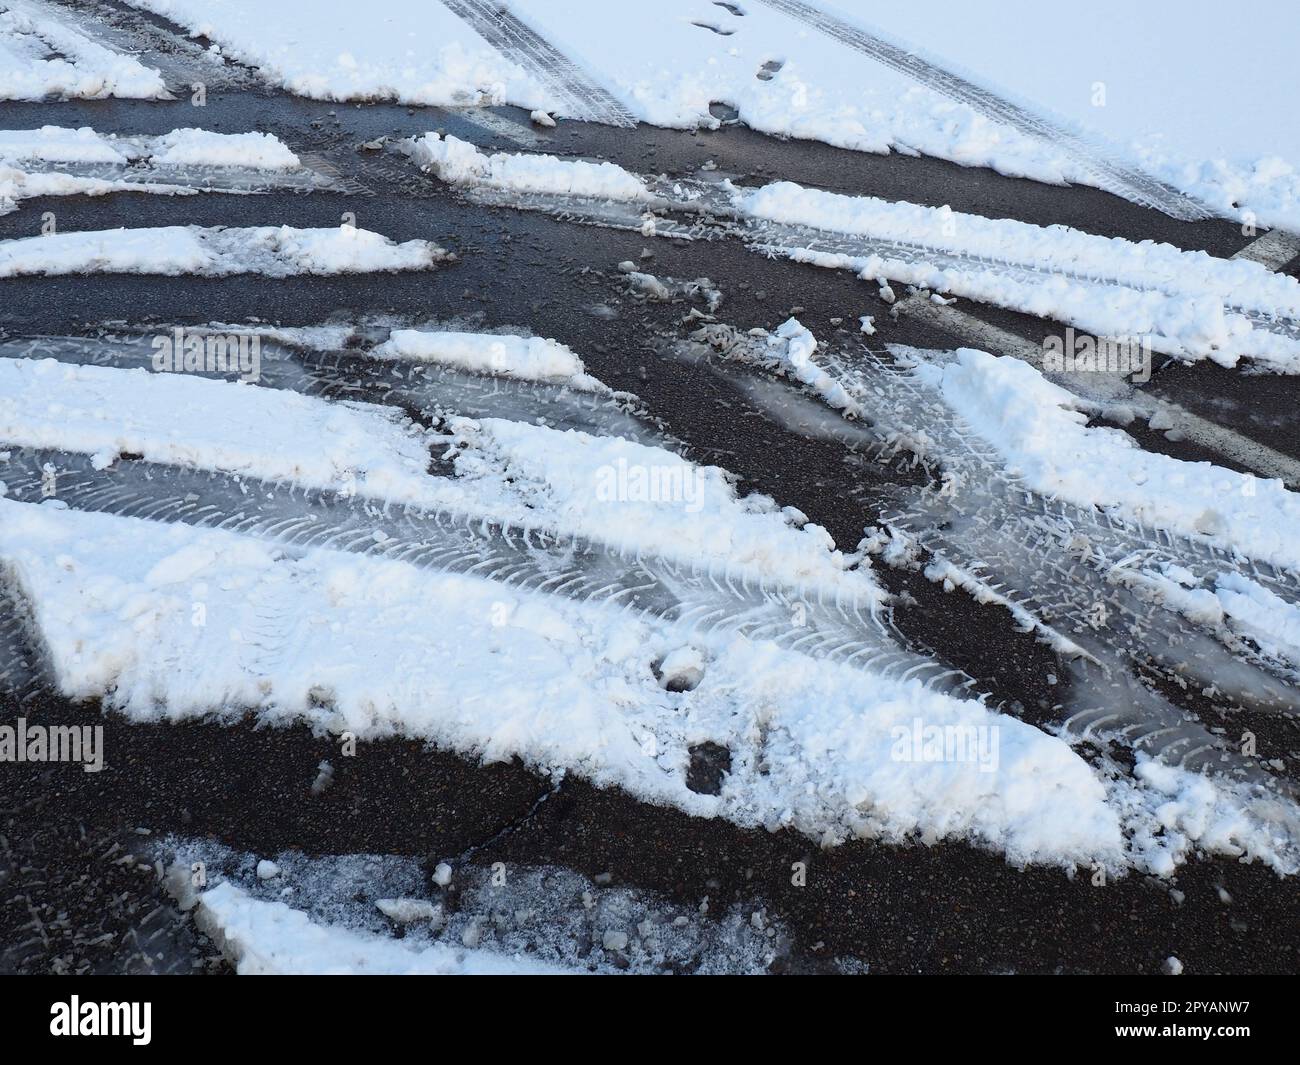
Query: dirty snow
[277, 251]
[270, 938]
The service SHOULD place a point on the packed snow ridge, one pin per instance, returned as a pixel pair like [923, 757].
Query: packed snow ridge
[46, 161]
[276, 251]
[460, 163]
[524, 358]
[181, 147]
[1043, 437]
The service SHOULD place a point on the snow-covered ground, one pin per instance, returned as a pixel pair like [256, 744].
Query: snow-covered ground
[43, 54]
[376, 647]
[1127, 83]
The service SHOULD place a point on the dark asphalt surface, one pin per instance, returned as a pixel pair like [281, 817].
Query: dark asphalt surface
[899, 909]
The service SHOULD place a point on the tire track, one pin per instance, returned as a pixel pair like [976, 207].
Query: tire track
[825, 621]
[1112, 175]
[580, 97]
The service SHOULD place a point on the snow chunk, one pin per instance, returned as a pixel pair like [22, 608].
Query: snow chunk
[526, 358]
[461, 163]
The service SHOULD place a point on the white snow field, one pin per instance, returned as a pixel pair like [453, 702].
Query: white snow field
[1079, 96]
[43, 54]
[58, 161]
[1188, 304]
[276, 251]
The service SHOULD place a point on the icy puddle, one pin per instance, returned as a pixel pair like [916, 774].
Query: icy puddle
[372, 913]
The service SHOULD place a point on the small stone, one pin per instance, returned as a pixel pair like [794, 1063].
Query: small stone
[266, 869]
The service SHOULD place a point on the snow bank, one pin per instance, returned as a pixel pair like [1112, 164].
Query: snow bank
[525, 358]
[1035, 426]
[200, 147]
[277, 251]
[460, 163]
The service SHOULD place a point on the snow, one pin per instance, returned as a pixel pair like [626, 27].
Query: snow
[563, 685]
[459, 162]
[524, 358]
[277, 251]
[182, 147]
[80, 68]
[160, 158]
[1235, 602]
[199, 147]
[1227, 138]
[265, 938]
[1185, 303]
[1043, 437]
[1190, 304]
[567, 687]
[405, 50]
[227, 426]
[1217, 127]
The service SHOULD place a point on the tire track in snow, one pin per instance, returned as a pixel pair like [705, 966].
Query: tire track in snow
[825, 621]
[427, 389]
[1112, 175]
[579, 96]
[1053, 565]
